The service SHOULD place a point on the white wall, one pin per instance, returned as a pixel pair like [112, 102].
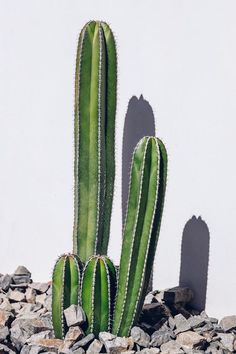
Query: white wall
[181, 56]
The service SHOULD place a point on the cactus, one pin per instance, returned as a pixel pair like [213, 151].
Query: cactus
[98, 291]
[94, 135]
[141, 231]
[65, 290]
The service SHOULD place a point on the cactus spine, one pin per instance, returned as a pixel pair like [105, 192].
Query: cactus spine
[94, 135]
[98, 293]
[141, 231]
[65, 290]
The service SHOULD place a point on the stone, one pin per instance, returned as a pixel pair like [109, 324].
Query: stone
[4, 332]
[171, 347]
[5, 305]
[84, 341]
[5, 349]
[196, 321]
[30, 295]
[94, 347]
[191, 340]
[41, 298]
[152, 313]
[48, 303]
[79, 351]
[30, 349]
[5, 318]
[182, 325]
[206, 328]
[149, 351]
[119, 344]
[51, 345]
[20, 280]
[227, 339]
[171, 323]
[213, 320]
[41, 335]
[39, 287]
[104, 336]
[74, 315]
[5, 282]
[160, 337]
[228, 323]
[149, 299]
[178, 295]
[15, 295]
[140, 337]
[74, 333]
[159, 296]
[203, 314]
[22, 270]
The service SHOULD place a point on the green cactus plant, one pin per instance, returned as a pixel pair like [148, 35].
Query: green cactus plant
[94, 137]
[141, 231]
[66, 281]
[98, 291]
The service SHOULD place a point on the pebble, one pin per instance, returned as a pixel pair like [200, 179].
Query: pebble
[228, 323]
[74, 315]
[140, 337]
[94, 347]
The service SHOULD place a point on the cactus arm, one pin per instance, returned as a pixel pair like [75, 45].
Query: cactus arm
[140, 233]
[75, 279]
[94, 139]
[58, 297]
[111, 98]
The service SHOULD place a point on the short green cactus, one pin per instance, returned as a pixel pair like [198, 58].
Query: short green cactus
[98, 293]
[94, 135]
[141, 231]
[66, 281]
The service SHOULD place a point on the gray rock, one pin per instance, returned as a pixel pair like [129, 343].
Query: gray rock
[48, 303]
[5, 282]
[83, 342]
[74, 315]
[94, 347]
[213, 319]
[140, 337]
[105, 336]
[22, 270]
[49, 345]
[227, 339]
[5, 305]
[5, 349]
[182, 325]
[30, 295]
[152, 313]
[159, 296]
[41, 298]
[171, 347]
[206, 328]
[203, 314]
[191, 340]
[79, 351]
[119, 344]
[30, 349]
[15, 295]
[149, 351]
[74, 333]
[160, 337]
[41, 335]
[149, 299]
[21, 279]
[228, 323]
[39, 287]
[5, 318]
[4, 332]
[178, 295]
[171, 323]
[196, 321]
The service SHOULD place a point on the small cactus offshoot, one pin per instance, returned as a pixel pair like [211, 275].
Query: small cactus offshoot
[98, 293]
[66, 281]
[141, 231]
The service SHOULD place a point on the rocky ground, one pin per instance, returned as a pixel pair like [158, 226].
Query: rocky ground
[167, 324]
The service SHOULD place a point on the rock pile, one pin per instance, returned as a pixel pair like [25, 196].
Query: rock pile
[167, 325]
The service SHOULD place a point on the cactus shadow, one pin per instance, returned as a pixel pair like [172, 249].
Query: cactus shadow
[139, 122]
[195, 259]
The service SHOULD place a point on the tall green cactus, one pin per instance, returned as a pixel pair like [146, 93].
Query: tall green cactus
[65, 290]
[98, 293]
[141, 231]
[94, 135]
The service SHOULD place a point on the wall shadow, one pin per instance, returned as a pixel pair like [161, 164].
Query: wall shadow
[139, 122]
[194, 260]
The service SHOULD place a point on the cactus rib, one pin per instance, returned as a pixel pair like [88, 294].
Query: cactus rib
[141, 230]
